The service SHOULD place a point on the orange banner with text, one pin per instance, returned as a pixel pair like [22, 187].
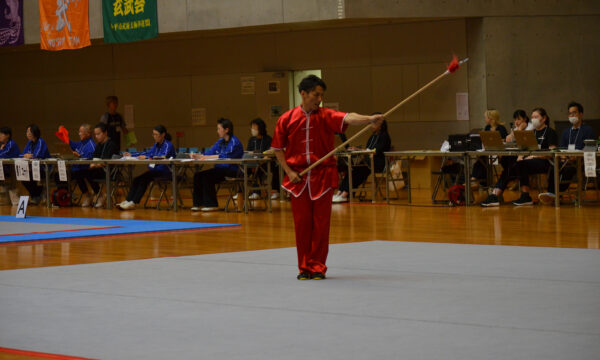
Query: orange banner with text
[64, 24]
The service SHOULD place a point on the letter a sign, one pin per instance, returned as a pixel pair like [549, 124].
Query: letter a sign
[22, 208]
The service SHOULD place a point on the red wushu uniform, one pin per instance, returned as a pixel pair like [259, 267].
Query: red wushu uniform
[306, 138]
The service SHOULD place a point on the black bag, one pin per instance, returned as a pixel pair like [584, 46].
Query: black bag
[459, 142]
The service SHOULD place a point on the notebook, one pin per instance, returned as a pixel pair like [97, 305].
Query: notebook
[526, 140]
[491, 140]
[64, 151]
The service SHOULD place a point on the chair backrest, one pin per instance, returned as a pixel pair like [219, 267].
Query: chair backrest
[182, 150]
[193, 149]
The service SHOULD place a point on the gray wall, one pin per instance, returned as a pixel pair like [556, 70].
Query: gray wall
[191, 15]
[543, 61]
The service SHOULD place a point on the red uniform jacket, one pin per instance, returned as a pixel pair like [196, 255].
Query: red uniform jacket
[306, 138]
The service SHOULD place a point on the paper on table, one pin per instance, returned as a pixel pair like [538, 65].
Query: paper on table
[22, 170]
[589, 161]
[35, 170]
[62, 170]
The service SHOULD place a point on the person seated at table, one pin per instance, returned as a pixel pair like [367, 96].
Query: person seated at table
[572, 139]
[105, 149]
[533, 164]
[493, 123]
[83, 149]
[9, 150]
[35, 148]
[380, 142]
[521, 122]
[162, 148]
[259, 143]
[227, 147]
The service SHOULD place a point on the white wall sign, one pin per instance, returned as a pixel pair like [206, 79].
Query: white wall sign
[462, 106]
[199, 117]
[129, 118]
[248, 85]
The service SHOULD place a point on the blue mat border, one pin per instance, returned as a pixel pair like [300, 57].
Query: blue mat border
[124, 227]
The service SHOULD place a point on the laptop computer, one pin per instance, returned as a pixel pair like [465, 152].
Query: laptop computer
[64, 151]
[491, 140]
[526, 140]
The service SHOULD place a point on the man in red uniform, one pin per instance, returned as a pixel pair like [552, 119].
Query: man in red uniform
[303, 135]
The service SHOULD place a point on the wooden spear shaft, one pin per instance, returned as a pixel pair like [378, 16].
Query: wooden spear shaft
[390, 111]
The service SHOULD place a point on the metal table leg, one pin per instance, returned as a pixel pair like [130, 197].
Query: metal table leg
[467, 180]
[556, 180]
[387, 179]
[174, 184]
[108, 190]
[350, 197]
[373, 190]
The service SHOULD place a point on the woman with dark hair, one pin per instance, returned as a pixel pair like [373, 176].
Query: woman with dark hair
[162, 148]
[380, 142]
[36, 148]
[521, 122]
[227, 147]
[260, 140]
[259, 143]
[530, 165]
[9, 150]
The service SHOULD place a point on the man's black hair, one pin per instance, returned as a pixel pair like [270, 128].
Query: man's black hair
[310, 82]
[6, 131]
[226, 124]
[578, 105]
[102, 126]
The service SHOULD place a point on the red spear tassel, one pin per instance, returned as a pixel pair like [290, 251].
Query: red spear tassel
[454, 65]
[62, 134]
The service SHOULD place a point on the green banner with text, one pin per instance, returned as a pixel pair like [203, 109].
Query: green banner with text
[129, 20]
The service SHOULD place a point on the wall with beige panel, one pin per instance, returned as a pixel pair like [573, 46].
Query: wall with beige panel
[367, 68]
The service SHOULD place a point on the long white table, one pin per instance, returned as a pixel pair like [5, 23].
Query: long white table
[173, 164]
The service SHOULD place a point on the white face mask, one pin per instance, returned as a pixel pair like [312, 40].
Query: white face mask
[573, 119]
[254, 132]
[536, 122]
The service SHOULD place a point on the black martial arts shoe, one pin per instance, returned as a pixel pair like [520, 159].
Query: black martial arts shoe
[318, 276]
[303, 276]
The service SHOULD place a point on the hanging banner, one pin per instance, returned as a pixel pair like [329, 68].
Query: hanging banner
[129, 20]
[64, 24]
[11, 23]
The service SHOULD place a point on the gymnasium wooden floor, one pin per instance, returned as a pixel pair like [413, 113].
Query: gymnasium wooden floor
[567, 227]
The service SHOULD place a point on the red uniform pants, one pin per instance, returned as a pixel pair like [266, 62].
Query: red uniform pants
[311, 221]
